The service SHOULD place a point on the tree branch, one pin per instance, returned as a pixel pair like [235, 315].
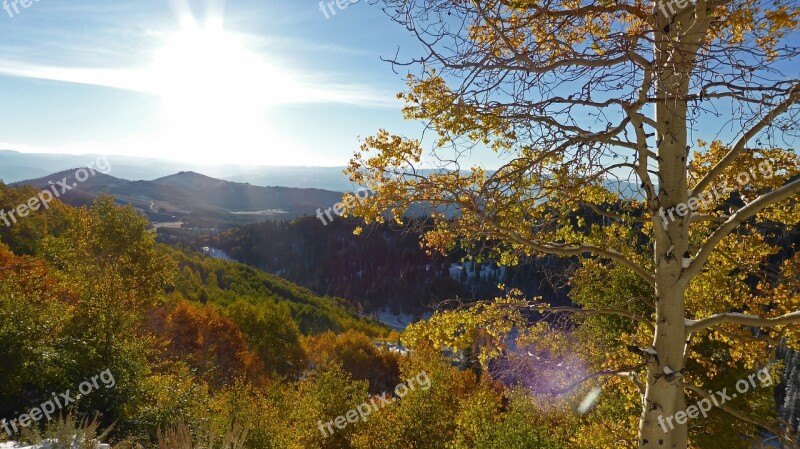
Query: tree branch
[628, 373]
[758, 423]
[31, 263]
[601, 311]
[794, 97]
[757, 205]
[562, 249]
[741, 318]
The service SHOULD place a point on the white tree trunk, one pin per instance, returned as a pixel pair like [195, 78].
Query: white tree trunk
[664, 396]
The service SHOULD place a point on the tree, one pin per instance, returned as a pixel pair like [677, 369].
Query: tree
[25, 234]
[272, 334]
[32, 321]
[590, 107]
[113, 272]
[356, 353]
[211, 343]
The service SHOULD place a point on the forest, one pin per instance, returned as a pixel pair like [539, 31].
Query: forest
[204, 349]
[214, 348]
[384, 267]
[582, 229]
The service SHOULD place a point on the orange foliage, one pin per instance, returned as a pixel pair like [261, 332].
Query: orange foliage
[31, 276]
[357, 355]
[209, 342]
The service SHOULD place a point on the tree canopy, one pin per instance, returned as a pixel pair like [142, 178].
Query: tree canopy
[652, 142]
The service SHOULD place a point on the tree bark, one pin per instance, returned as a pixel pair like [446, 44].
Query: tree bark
[664, 395]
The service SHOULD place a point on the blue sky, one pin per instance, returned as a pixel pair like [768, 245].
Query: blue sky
[240, 82]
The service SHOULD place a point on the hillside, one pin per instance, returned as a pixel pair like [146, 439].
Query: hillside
[205, 279]
[236, 196]
[16, 166]
[192, 198]
[384, 268]
[199, 278]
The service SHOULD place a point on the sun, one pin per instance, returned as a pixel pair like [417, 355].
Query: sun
[215, 93]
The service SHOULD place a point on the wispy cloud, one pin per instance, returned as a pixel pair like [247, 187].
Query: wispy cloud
[305, 88]
[128, 79]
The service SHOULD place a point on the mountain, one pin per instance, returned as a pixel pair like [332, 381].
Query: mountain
[245, 197]
[199, 200]
[16, 166]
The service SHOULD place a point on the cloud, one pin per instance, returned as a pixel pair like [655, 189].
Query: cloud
[127, 79]
[305, 88]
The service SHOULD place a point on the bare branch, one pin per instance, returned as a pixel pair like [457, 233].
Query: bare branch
[757, 205]
[741, 318]
[575, 250]
[794, 97]
[602, 311]
[21, 265]
[628, 373]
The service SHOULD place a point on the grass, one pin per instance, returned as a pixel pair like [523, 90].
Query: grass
[180, 437]
[67, 432]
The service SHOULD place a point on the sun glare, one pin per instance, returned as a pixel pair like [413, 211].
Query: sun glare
[215, 94]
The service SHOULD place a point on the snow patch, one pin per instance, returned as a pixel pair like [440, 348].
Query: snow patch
[216, 253]
[396, 322]
[486, 270]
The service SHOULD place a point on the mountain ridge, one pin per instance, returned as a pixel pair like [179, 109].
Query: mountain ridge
[16, 166]
[191, 197]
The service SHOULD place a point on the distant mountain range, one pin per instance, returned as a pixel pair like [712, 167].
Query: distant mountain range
[224, 196]
[16, 166]
[192, 198]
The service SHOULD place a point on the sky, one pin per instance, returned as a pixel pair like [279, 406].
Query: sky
[236, 82]
[261, 82]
